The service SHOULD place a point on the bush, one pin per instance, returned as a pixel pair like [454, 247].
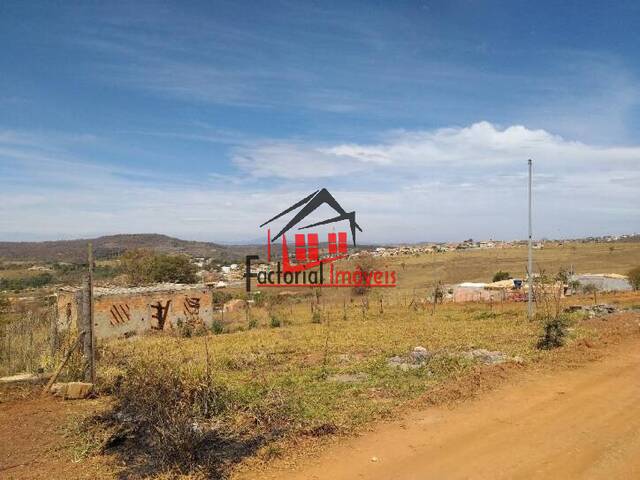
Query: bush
[274, 322]
[26, 282]
[500, 275]
[166, 406]
[555, 331]
[366, 264]
[258, 299]
[144, 267]
[173, 415]
[217, 326]
[184, 329]
[634, 278]
[316, 317]
[220, 297]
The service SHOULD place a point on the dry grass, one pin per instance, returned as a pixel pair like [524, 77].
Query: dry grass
[27, 342]
[272, 374]
[479, 265]
[273, 383]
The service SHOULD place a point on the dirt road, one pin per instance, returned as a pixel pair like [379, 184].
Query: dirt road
[578, 424]
[33, 446]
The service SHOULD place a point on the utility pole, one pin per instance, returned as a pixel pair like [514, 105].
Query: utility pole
[530, 263]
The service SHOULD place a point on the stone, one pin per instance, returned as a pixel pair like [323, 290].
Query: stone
[592, 310]
[420, 355]
[77, 390]
[348, 377]
[343, 358]
[416, 359]
[395, 361]
[485, 356]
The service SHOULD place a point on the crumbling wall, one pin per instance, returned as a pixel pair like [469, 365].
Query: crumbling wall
[476, 294]
[123, 313]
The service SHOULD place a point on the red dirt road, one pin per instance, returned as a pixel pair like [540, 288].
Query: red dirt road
[32, 443]
[578, 424]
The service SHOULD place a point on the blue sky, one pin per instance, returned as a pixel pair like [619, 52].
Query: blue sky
[201, 120]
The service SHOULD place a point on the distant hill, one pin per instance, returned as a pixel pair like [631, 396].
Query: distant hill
[75, 251]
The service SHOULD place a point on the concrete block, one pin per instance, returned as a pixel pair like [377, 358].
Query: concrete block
[77, 390]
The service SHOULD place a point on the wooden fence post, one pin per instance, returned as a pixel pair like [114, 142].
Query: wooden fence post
[92, 315]
[87, 344]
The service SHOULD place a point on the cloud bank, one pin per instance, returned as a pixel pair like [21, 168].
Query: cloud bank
[447, 183]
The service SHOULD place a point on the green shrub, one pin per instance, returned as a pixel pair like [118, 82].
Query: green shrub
[253, 323]
[274, 321]
[258, 299]
[554, 334]
[217, 326]
[316, 317]
[183, 329]
[500, 275]
[22, 283]
[144, 267]
[220, 297]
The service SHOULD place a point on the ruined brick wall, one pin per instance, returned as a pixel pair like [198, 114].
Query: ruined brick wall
[123, 314]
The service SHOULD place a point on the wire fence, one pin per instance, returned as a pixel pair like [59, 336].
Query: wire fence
[31, 343]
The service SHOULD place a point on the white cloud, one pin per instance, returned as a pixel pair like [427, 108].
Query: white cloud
[480, 147]
[448, 183]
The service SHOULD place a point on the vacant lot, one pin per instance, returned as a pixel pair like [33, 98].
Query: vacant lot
[268, 386]
[298, 368]
[480, 265]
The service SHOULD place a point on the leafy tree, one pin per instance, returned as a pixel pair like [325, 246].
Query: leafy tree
[634, 278]
[144, 267]
[22, 283]
[574, 285]
[500, 275]
[173, 268]
[366, 264]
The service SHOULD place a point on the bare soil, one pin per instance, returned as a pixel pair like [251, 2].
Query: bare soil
[33, 441]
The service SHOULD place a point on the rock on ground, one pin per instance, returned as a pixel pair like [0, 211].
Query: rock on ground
[418, 357]
[485, 356]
